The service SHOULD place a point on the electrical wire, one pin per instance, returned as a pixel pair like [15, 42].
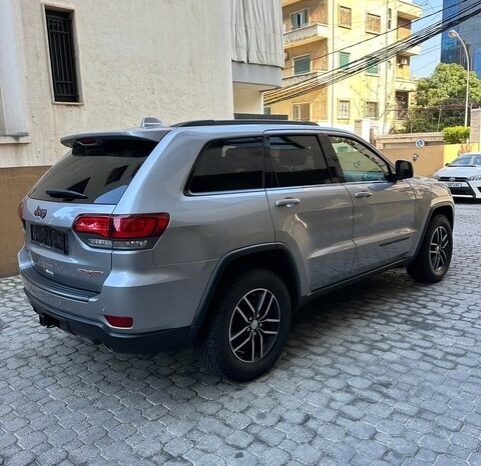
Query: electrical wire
[377, 57]
[376, 36]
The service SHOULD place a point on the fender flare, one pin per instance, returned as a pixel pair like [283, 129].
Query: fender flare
[203, 308]
[432, 210]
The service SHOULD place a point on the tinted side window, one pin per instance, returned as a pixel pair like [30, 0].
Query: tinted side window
[358, 162]
[297, 160]
[229, 165]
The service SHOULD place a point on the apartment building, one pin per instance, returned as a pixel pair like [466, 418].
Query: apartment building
[71, 66]
[319, 36]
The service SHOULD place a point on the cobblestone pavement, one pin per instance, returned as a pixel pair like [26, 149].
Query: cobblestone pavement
[386, 372]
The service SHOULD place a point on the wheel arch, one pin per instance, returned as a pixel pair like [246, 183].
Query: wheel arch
[274, 256]
[446, 209]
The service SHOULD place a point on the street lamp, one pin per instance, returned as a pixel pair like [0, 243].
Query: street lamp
[455, 35]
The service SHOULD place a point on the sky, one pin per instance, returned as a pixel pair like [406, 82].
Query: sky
[424, 64]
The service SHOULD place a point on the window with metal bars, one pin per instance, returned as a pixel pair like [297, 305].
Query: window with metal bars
[62, 55]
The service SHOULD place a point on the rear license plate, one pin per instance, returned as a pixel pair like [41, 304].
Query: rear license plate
[50, 238]
[450, 184]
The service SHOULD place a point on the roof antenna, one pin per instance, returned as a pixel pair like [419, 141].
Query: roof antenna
[151, 122]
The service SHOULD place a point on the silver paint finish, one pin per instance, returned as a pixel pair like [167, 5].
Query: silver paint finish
[333, 232]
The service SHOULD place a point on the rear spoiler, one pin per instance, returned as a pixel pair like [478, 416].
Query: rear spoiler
[154, 135]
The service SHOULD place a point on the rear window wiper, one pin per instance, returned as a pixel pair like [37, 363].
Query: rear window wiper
[65, 194]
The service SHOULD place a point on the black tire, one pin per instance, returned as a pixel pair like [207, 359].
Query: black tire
[217, 353]
[423, 269]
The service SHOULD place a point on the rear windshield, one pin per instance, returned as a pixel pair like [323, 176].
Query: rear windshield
[96, 171]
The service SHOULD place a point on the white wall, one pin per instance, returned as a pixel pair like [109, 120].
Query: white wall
[247, 98]
[163, 58]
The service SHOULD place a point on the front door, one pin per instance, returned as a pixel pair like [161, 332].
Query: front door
[311, 213]
[383, 208]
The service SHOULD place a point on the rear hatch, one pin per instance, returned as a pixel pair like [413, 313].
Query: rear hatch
[90, 179]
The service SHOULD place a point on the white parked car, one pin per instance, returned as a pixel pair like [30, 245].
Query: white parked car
[463, 176]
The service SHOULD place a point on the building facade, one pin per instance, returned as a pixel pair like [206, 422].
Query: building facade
[451, 49]
[72, 66]
[319, 36]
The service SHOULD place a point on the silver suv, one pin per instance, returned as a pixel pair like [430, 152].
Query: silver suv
[215, 232]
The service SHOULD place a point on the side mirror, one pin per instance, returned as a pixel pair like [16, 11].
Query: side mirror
[404, 169]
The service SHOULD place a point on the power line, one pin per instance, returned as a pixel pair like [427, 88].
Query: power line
[357, 66]
[376, 36]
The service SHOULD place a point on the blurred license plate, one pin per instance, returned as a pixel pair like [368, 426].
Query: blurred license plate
[451, 184]
[50, 237]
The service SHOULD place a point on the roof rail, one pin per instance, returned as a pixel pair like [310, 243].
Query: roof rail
[242, 122]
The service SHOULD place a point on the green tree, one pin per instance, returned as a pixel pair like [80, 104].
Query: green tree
[447, 86]
[440, 99]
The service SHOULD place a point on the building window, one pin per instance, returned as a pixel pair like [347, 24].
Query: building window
[402, 61]
[62, 56]
[373, 23]
[373, 69]
[371, 110]
[389, 18]
[300, 19]
[343, 109]
[302, 112]
[402, 105]
[345, 17]
[344, 60]
[302, 64]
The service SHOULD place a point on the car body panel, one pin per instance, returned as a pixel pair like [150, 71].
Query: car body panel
[167, 286]
[326, 253]
[384, 223]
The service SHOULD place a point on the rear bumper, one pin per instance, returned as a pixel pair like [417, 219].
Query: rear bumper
[132, 343]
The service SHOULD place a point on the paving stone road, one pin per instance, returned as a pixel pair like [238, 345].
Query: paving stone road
[385, 372]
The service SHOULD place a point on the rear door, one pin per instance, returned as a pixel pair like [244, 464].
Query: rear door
[90, 179]
[383, 208]
[311, 212]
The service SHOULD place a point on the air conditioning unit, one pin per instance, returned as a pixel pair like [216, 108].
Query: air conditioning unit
[403, 61]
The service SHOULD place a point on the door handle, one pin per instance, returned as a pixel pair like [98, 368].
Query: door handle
[362, 194]
[287, 202]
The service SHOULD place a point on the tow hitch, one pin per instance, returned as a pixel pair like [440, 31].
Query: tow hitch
[48, 321]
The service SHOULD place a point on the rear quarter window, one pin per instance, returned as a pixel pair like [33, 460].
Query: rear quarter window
[229, 165]
[100, 169]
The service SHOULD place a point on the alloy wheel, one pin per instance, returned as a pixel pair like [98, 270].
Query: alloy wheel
[439, 248]
[254, 325]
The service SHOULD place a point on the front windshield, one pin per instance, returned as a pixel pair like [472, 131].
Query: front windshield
[467, 161]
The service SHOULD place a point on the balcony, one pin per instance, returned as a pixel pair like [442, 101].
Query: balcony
[402, 84]
[408, 10]
[413, 51]
[299, 78]
[305, 35]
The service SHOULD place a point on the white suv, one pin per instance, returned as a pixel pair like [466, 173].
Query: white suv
[463, 176]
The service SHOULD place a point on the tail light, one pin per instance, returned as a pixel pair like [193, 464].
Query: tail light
[121, 231]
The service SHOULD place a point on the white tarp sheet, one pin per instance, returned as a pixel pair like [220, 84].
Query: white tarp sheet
[257, 32]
